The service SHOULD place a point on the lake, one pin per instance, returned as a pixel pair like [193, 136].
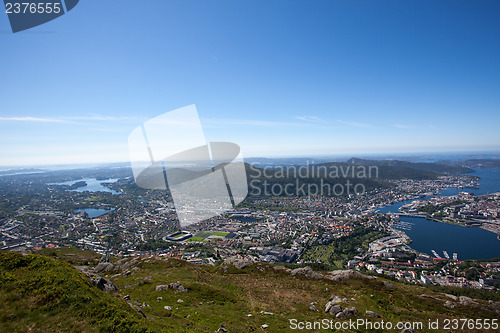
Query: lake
[467, 242]
[245, 219]
[94, 212]
[93, 185]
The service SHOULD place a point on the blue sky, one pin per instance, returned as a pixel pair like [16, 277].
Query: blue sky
[280, 78]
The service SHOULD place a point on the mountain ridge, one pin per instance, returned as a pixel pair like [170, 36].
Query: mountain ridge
[45, 293]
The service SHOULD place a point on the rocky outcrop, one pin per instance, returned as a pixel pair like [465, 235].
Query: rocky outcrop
[333, 309]
[451, 302]
[335, 299]
[138, 309]
[450, 305]
[101, 282]
[176, 286]
[372, 314]
[464, 300]
[104, 267]
[239, 263]
[126, 263]
[312, 306]
[453, 297]
[267, 313]
[389, 285]
[346, 274]
[307, 272]
[162, 287]
[430, 296]
[222, 328]
[349, 312]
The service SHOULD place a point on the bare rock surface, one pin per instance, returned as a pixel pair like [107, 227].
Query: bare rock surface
[239, 263]
[307, 272]
[346, 274]
[372, 314]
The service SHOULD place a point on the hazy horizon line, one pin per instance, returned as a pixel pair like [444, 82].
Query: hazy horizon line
[301, 156]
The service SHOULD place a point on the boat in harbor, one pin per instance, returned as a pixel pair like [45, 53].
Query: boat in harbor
[446, 255]
[435, 254]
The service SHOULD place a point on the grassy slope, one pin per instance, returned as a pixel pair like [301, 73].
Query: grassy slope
[49, 295]
[40, 294]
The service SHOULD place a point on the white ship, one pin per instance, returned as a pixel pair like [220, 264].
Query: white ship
[435, 254]
[446, 255]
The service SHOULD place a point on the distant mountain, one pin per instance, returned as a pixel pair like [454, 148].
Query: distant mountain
[482, 163]
[20, 171]
[436, 168]
[371, 174]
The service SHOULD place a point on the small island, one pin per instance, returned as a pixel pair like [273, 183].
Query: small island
[79, 184]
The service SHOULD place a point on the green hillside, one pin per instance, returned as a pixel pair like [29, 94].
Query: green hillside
[396, 169]
[40, 294]
[43, 294]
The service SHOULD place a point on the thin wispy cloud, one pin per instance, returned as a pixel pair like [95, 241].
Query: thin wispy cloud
[246, 122]
[99, 117]
[33, 119]
[68, 120]
[402, 126]
[305, 121]
[312, 119]
[107, 130]
[355, 124]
